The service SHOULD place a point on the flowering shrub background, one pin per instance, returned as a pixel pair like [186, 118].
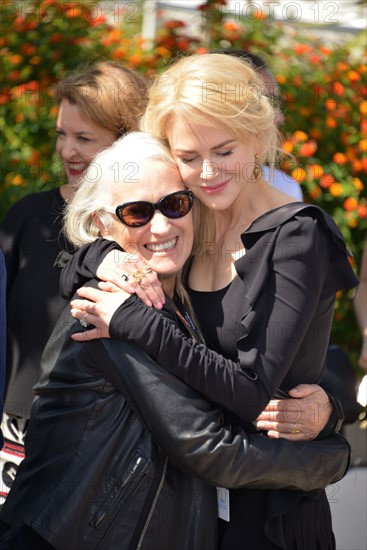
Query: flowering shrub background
[324, 89]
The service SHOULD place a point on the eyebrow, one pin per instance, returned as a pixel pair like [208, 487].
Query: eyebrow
[223, 144]
[58, 128]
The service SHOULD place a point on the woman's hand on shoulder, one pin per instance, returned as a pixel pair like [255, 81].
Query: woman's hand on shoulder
[301, 418]
[96, 309]
[122, 270]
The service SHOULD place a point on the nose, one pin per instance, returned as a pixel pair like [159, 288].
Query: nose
[209, 169]
[160, 224]
[66, 149]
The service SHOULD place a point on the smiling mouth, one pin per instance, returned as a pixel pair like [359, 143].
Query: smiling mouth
[77, 167]
[162, 247]
[214, 188]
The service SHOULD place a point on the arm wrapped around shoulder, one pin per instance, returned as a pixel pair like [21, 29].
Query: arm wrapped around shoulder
[188, 428]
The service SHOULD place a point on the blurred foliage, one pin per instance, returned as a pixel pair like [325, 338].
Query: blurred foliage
[324, 92]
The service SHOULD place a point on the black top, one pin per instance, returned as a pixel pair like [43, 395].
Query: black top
[31, 238]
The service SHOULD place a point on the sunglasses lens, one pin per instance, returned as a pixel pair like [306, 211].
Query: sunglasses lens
[136, 215]
[176, 205]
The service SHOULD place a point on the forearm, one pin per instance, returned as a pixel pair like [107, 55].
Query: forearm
[187, 427]
[83, 265]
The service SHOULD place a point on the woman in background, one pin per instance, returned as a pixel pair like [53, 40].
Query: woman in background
[96, 106]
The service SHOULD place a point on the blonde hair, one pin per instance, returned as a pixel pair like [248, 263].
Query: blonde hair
[218, 90]
[108, 94]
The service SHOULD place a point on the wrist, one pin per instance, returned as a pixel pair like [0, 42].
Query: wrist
[336, 418]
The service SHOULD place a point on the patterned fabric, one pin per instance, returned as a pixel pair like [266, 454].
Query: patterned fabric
[14, 431]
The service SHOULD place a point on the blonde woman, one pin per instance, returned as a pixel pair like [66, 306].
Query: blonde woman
[263, 285]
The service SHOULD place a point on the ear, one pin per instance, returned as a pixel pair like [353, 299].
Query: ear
[102, 229]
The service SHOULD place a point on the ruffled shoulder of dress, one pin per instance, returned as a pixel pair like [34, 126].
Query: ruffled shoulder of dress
[279, 216]
[265, 235]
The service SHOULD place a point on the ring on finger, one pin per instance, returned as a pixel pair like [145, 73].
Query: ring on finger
[124, 277]
[140, 273]
[295, 430]
[83, 321]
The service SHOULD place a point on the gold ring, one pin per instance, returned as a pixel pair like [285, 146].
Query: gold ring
[140, 273]
[294, 430]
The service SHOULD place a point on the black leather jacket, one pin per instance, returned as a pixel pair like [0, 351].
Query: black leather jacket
[94, 477]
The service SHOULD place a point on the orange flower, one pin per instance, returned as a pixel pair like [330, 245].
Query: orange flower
[17, 180]
[351, 219]
[16, 59]
[162, 52]
[330, 104]
[341, 67]
[326, 180]
[316, 171]
[363, 145]
[315, 59]
[308, 149]
[338, 89]
[135, 59]
[202, 50]
[302, 48]
[358, 184]
[4, 95]
[28, 49]
[73, 12]
[231, 26]
[331, 122]
[300, 136]
[336, 189]
[354, 76]
[99, 20]
[364, 126]
[324, 50]
[362, 211]
[350, 204]
[287, 146]
[281, 78]
[259, 14]
[340, 158]
[299, 174]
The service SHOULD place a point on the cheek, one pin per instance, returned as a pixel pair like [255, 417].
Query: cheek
[58, 146]
[188, 174]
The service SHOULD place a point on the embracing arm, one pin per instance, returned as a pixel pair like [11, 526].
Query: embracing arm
[287, 303]
[188, 429]
[244, 386]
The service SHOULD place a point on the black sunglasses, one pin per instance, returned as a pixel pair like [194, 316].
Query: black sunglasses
[138, 213]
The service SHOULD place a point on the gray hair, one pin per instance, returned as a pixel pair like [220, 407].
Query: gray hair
[110, 168]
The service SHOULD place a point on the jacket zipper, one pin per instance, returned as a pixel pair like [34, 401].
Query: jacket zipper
[154, 504]
[101, 516]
